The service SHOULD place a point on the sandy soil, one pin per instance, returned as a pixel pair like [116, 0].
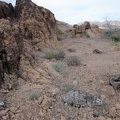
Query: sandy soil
[91, 76]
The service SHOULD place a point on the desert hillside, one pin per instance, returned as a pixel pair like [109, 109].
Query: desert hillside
[50, 70]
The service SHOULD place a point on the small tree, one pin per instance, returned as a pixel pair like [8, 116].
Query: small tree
[113, 29]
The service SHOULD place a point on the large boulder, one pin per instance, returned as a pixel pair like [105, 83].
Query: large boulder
[86, 25]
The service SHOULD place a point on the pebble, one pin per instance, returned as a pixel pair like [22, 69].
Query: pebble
[63, 118]
[112, 112]
[117, 106]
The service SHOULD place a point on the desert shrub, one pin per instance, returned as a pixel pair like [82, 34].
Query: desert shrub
[69, 87]
[34, 95]
[48, 54]
[73, 61]
[39, 55]
[113, 34]
[116, 38]
[88, 36]
[59, 66]
[61, 35]
[58, 54]
[50, 73]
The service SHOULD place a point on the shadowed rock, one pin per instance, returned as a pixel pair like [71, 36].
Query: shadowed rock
[115, 81]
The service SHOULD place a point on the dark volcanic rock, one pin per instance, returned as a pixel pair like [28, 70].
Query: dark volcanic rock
[115, 81]
[96, 51]
[6, 10]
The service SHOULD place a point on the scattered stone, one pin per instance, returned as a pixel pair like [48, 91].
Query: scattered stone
[75, 83]
[6, 117]
[81, 98]
[2, 104]
[47, 101]
[109, 119]
[101, 118]
[96, 51]
[96, 114]
[3, 112]
[63, 118]
[71, 50]
[58, 110]
[40, 100]
[112, 112]
[117, 106]
[13, 109]
[41, 114]
[115, 81]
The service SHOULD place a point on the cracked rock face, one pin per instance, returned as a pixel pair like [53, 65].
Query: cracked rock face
[81, 99]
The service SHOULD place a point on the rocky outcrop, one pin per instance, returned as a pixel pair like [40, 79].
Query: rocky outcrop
[6, 10]
[23, 28]
[84, 30]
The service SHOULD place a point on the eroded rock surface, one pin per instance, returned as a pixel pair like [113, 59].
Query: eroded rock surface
[81, 99]
[23, 28]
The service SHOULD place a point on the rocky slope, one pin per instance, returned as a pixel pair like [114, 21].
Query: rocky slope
[24, 29]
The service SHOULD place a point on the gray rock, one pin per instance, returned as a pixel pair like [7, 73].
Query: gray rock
[2, 104]
[81, 99]
[78, 98]
[115, 81]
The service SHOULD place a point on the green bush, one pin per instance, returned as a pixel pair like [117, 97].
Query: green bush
[116, 38]
[69, 87]
[113, 34]
[34, 95]
[59, 66]
[61, 35]
[48, 54]
[73, 61]
[58, 54]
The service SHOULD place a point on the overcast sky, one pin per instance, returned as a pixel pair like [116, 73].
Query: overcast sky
[76, 11]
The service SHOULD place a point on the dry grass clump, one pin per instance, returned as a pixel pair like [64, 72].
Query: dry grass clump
[59, 66]
[73, 61]
[58, 54]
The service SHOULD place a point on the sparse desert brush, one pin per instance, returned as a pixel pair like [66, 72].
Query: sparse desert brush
[58, 54]
[34, 95]
[61, 35]
[87, 35]
[116, 38]
[48, 54]
[73, 61]
[50, 73]
[113, 34]
[59, 66]
[69, 87]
